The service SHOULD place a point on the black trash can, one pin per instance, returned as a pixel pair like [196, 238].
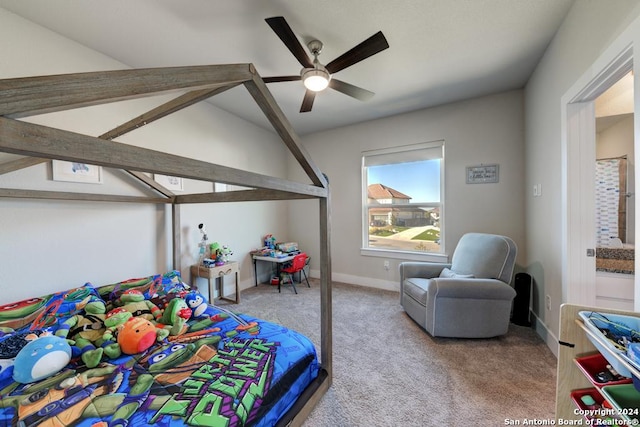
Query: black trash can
[520, 312]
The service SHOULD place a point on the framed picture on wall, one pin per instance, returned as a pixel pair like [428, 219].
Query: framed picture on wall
[76, 172]
[172, 183]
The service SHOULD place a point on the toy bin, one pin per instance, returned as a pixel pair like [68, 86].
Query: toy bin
[598, 411]
[596, 320]
[594, 364]
[625, 399]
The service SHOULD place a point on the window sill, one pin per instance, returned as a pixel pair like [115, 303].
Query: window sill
[408, 256]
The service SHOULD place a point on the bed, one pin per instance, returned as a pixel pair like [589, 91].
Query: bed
[232, 370]
[290, 397]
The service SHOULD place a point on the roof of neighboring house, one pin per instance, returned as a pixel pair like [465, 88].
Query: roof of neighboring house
[379, 191]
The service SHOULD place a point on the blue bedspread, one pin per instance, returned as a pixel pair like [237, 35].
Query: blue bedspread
[236, 371]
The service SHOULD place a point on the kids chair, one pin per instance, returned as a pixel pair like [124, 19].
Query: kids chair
[296, 265]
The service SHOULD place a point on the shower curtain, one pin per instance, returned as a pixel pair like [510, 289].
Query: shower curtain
[609, 176]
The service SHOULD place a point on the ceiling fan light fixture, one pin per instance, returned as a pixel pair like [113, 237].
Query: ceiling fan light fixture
[315, 79]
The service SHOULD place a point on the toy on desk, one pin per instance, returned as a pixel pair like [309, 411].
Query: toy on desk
[269, 241]
[216, 253]
[220, 254]
[226, 253]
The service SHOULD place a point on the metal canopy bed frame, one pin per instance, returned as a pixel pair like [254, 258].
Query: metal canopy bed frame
[22, 97]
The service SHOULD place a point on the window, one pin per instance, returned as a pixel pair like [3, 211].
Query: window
[403, 198]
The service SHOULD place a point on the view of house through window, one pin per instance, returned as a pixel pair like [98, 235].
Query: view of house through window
[403, 198]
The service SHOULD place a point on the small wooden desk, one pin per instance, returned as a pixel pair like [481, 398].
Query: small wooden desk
[278, 261]
[217, 273]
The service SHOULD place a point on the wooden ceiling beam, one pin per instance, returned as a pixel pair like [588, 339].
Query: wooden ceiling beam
[239, 196]
[165, 109]
[25, 162]
[30, 139]
[27, 96]
[65, 195]
[258, 90]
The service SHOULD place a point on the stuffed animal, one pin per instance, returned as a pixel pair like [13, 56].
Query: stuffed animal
[138, 334]
[199, 305]
[41, 358]
[85, 333]
[115, 318]
[133, 301]
[175, 316]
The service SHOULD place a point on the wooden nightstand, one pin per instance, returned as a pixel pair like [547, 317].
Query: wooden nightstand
[217, 273]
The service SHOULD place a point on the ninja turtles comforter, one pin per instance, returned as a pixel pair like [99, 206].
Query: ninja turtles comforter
[220, 369]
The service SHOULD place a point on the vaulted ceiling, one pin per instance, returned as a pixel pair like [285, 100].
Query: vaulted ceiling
[440, 50]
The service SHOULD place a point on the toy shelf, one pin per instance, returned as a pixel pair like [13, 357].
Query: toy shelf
[575, 342]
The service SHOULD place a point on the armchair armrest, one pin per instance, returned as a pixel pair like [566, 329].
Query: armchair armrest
[425, 270]
[470, 288]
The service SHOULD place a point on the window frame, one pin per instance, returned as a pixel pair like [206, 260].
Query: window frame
[365, 249]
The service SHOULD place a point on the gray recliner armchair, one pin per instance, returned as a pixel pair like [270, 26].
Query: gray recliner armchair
[469, 298]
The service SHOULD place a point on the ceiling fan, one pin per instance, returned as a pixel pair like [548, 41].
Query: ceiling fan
[315, 76]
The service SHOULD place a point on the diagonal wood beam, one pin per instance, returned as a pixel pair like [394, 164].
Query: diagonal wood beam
[41, 141]
[239, 196]
[153, 184]
[27, 96]
[165, 109]
[258, 89]
[18, 164]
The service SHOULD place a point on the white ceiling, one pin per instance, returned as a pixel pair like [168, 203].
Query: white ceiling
[440, 50]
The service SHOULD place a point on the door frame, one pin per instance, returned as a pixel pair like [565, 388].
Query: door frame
[578, 183]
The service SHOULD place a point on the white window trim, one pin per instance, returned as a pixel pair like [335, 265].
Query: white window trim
[441, 256]
[405, 255]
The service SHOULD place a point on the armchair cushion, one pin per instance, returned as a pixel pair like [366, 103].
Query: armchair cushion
[448, 274]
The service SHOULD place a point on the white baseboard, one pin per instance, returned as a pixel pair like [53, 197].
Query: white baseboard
[350, 279]
[545, 333]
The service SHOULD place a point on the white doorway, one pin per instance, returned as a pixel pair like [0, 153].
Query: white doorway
[615, 196]
[579, 155]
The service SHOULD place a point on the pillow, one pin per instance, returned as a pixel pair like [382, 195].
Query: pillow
[152, 286]
[448, 274]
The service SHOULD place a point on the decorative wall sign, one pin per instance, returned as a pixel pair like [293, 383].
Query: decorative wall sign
[76, 172]
[482, 174]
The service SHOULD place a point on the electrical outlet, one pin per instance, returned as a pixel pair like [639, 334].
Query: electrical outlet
[386, 265]
[548, 302]
[537, 190]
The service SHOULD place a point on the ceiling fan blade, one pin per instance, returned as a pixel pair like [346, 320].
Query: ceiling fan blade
[307, 101]
[351, 90]
[374, 44]
[279, 25]
[281, 79]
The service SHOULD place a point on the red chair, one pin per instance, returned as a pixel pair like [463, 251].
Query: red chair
[296, 265]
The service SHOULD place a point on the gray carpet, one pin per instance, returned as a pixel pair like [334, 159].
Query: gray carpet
[388, 371]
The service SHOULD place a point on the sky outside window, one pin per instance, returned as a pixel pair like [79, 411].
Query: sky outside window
[419, 180]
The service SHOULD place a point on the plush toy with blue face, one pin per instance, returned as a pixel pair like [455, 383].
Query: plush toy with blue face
[41, 358]
[199, 306]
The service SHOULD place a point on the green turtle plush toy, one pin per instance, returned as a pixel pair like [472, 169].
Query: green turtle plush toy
[84, 332]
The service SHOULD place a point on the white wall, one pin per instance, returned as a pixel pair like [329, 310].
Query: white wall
[484, 130]
[589, 28]
[47, 246]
